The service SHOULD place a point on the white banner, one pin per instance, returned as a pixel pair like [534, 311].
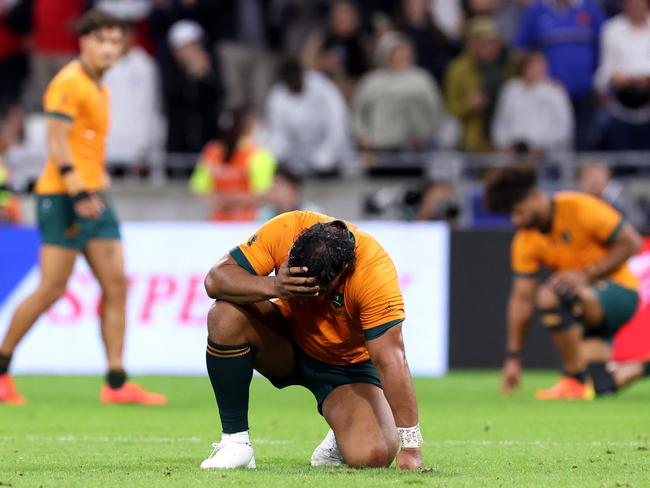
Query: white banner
[167, 305]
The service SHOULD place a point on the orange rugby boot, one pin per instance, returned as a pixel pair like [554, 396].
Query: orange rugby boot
[567, 389]
[8, 392]
[131, 393]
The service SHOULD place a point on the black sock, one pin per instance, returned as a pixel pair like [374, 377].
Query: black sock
[5, 361]
[603, 380]
[230, 369]
[646, 368]
[581, 377]
[116, 378]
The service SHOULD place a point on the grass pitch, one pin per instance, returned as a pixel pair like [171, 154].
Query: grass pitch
[474, 437]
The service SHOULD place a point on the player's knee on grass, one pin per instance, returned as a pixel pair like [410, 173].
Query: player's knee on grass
[374, 455]
[227, 323]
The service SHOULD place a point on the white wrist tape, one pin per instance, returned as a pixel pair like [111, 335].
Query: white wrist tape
[410, 437]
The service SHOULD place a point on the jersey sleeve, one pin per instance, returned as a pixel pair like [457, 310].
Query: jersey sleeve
[524, 258]
[600, 219]
[62, 98]
[263, 250]
[379, 299]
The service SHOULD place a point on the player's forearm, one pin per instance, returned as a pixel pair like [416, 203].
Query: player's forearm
[60, 153]
[232, 283]
[520, 314]
[629, 243]
[399, 391]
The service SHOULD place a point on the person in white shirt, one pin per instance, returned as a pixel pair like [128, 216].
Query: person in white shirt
[306, 123]
[623, 78]
[397, 106]
[135, 138]
[533, 110]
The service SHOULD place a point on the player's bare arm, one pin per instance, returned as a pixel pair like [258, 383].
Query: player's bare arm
[85, 205]
[387, 354]
[228, 281]
[627, 244]
[521, 307]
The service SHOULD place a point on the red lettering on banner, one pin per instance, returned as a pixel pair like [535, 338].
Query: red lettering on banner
[195, 293]
[160, 289]
[73, 307]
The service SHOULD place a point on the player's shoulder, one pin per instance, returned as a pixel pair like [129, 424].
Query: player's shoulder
[296, 220]
[70, 76]
[573, 199]
[525, 239]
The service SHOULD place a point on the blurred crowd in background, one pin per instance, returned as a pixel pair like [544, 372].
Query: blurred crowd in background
[321, 88]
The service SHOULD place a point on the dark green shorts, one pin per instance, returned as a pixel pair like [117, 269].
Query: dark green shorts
[60, 226]
[619, 305]
[321, 378]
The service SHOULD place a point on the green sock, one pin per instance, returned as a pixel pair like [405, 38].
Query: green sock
[230, 369]
[646, 368]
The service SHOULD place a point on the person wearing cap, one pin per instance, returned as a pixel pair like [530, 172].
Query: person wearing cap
[474, 80]
[191, 89]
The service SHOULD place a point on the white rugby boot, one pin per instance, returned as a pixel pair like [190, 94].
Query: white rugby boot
[327, 453]
[234, 451]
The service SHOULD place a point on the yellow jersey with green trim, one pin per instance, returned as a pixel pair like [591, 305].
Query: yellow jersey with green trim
[74, 96]
[334, 328]
[582, 230]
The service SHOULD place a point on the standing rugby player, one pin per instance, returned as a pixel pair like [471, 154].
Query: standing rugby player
[75, 214]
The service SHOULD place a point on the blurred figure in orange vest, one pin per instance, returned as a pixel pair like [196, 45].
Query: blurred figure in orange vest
[233, 168]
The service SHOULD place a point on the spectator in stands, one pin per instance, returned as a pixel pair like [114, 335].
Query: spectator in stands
[397, 106]
[191, 89]
[233, 169]
[54, 41]
[567, 32]
[11, 120]
[473, 82]
[306, 122]
[624, 76]
[595, 178]
[135, 138]
[339, 51]
[433, 49]
[15, 22]
[504, 13]
[533, 110]
[447, 15]
[248, 41]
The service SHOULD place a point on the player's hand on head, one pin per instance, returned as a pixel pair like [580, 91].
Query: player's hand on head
[409, 458]
[89, 207]
[511, 376]
[295, 282]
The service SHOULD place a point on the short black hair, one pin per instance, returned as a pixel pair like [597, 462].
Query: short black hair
[94, 20]
[325, 249]
[506, 186]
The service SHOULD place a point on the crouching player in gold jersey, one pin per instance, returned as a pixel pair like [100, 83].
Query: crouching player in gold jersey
[584, 243]
[330, 320]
